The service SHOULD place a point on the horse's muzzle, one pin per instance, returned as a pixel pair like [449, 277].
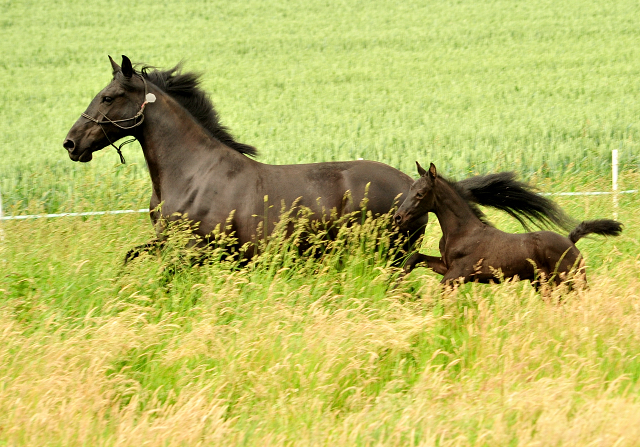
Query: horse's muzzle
[83, 156]
[69, 144]
[398, 219]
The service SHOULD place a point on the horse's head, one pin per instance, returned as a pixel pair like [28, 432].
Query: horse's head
[114, 113]
[420, 198]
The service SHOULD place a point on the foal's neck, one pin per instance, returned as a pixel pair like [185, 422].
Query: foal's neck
[453, 212]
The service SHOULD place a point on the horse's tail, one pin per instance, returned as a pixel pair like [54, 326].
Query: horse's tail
[502, 191]
[604, 227]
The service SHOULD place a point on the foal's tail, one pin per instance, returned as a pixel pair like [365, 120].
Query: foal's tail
[502, 191]
[605, 227]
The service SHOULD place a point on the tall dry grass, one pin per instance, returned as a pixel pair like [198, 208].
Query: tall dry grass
[462, 369]
[288, 351]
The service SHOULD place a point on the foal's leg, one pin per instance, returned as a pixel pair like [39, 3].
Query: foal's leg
[457, 272]
[572, 273]
[581, 274]
[435, 263]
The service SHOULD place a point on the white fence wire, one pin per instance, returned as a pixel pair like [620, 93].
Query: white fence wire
[614, 191]
[87, 213]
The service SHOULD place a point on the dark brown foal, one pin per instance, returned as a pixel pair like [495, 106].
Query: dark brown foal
[472, 250]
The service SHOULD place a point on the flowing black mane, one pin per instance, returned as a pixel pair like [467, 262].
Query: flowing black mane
[468, 197]
[185, 88]
[515, 198]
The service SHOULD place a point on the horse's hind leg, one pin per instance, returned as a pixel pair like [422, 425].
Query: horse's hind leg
[144, 248]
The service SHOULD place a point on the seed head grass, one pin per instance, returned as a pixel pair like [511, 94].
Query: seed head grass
[299, 350]
[314, 341]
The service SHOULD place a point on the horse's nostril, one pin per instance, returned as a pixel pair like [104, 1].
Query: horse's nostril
[397, 218]
[68, 144]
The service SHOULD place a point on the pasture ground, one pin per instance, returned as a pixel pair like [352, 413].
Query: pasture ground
[300, 352]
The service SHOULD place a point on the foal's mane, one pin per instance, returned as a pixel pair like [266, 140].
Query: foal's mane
[519, 200]
[468, 198]
[185, 88]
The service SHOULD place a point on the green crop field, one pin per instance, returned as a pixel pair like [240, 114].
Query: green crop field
[290, 351]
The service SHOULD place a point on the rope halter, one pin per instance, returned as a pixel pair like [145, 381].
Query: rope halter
[148, 98]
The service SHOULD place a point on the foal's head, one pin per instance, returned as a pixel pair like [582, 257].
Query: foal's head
[420, 198]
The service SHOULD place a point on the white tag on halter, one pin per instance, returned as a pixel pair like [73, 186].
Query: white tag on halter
[150, 97]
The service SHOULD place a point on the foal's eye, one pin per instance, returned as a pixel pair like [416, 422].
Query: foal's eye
[107, 99]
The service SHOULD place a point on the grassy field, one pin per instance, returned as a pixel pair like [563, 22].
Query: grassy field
[544, 87]
[291, 351]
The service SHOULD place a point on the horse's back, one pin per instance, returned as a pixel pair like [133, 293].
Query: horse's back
[341, 184]
[382, 185]
[261, 191]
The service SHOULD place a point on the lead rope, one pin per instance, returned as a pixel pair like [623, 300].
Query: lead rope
[148, 98]
[118, 148]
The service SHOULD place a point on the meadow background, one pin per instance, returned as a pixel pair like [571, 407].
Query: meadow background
[298, 352]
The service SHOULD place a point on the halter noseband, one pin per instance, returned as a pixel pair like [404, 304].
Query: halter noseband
[148, 98]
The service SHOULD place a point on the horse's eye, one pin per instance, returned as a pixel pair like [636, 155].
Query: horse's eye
[107, 99]
[419, 195]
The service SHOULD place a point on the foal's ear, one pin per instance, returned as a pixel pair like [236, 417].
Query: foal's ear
[432, 171]
[116, 68]
[421, 170]
[127, 67]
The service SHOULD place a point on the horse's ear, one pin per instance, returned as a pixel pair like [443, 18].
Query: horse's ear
[432, 171]
[114, 66]
[421, 170]
[127, 67]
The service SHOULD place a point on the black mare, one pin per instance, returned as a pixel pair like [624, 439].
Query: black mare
[198, 171]
[472, 250]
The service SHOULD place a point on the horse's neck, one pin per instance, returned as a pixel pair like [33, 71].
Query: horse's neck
[175, 145]
[453, 212]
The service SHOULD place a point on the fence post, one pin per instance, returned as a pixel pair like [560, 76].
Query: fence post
[614, 181]
[1, 232]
